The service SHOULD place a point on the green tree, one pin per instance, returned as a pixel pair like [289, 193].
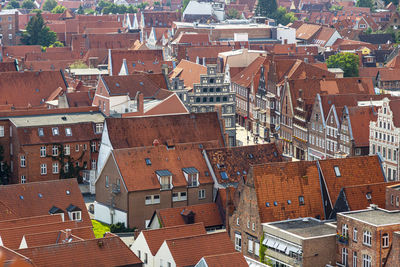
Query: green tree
[156, 3]
[80, 11]
[142, 5]
[232, 14]
[335, 8]
[266, 8]
[12, 4]
[37, 33]
[58, 9]
[78, 65]
[348, 62]
[185, 3]
[365, 3]
[283, 17]
[57, 44]
[89, 11]
[49, 5]
[28, 4]
[69, 167]
[368, 31]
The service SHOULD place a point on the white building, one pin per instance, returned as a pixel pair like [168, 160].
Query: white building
[384, 137]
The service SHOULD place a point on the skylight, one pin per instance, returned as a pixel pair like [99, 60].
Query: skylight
[337, 171]
[267, 204]
[40, 132]
[251, 156]
[368, 196]
[55, 131]
[68, 192]
[224, 176]
[148, 161]
[68, 132]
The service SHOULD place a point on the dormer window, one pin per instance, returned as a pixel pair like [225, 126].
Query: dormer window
[55, 131]
[99, 128]
[192, 176]
[337, 171]
[74, 213]
[165, 179]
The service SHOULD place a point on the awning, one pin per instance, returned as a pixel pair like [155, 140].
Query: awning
[281, 247]
[270, 243]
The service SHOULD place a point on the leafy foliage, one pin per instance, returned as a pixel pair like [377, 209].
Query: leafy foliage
[111, 8]
[78, 65]
[120, 228]
[100, 229]
[185, 3]
[58, 9]
[348, 62]
[80, 11]
[283, 17]
[232, 14]
[156, 3]
[49, 5]
[365, 3]
[12, 4]
[266, 8]
[28, 4]
[335, 8]
[37, 33]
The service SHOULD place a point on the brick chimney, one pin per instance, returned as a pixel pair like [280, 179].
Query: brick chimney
[140, 102]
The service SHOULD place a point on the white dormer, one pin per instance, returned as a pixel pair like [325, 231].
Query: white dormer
[192, 176]
[165, 179]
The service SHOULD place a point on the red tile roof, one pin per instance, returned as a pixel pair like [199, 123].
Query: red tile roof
[236, 161]
[208, 214]
[386, 74]
[102, 252]
[155, 238]
[353, 171]
[23, 200]
[27, 221]
[187, 251]
[360, 117]
[8, 66]
[23, 89]
[226, 260]
[360, 197]
[279, 186]
[189, 72]
[201, 127]
[138, 176]
[395, 108]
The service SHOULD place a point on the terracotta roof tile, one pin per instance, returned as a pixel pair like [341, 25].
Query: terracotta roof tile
[360, 117]
[353, 171]
[306, 31]
[360, 197]
[226, 260]
[133, 56]
[8, 66]
[27, 221]
[236, 161]
[155, 238]
[103, 252]
[22, 89]
[208, 214]
[189, 72]
[187, 251]
[58, 193]
[201, 127]
[279, 187]
[138, 175]
[395, 108]
[386, 74]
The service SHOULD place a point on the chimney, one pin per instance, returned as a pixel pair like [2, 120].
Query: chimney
[67, 234]
[93, 62]
[139, 102]
[188, 216]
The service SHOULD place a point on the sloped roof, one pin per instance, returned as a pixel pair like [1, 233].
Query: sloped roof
[133, 56]
[22, 89]
[8, 66]
[170, 105]
[139, 132]
[306, 31]
[155, 238]
[247, 75]
[189, 72]
[23, 200]
[279, 186]
[138, 175]
[102, 252]
[207, 214]
[360, 197]
[386, 74]
[360, 117]
[236, 161]
[27, 221]
[226, 260]
[187, 251]
[353, 171]
[395, 108]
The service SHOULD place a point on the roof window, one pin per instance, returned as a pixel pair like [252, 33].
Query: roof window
[251, 156]
[21, 197]
[267, 204]
[275, 203]
[148, 161]
[55, 131]
[40, 195]
[301, 200]
[289, 201]
[337, 171]
[68, 192]
[224, 176]
[40, 132]
[368, 195]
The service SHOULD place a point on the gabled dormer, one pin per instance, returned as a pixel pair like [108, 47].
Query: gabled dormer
[192, 176]
[74, 213]
[165, 179]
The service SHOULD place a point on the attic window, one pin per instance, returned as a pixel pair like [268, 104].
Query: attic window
[117, 84]
[267, 204]
[275, 203]
[40, 132]
[220, 166]
[301, 200]
[68, 132]
[337, 171]
[141, 83]
[251, 156]
[289, 202]
[148, 161]
[206, 173]
[40, 195]
[21, 197]
[275, 154]
[224, 176]
[238, 173]
[68, 192]
[244, 172]
[368, 196]
[55, 131]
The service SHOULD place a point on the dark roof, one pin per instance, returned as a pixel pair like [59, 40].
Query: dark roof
[164, 173]
[72, 208]
[190, 170]
[55, 210]
[379, 38]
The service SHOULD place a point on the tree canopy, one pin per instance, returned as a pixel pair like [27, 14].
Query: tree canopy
[37, 33]
[283, 17]
[365, 3]
[111, 8]
[80, 11]
[12, 4]
[232, 14]
[266, 8]
[348, 62]
[28, 4]
[58, 9]
[49, 5]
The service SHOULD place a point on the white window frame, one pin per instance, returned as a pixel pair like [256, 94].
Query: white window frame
[367, 238]
[250, 246]
[180, 196]
[68, 132]
[43, 151]
[75, 215]
[55, 131]
[367, 261]
[22, 161]
[355, 235]
[54, 150]
[99, 128]
[55, 168]
[152, 199]
[345, 256]
[1, 131]
[202, 194]
[23, 179]
[238, 242]
[43, 169]
[93, 164]
[355, 259]
[67, 150]
[385, 240]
